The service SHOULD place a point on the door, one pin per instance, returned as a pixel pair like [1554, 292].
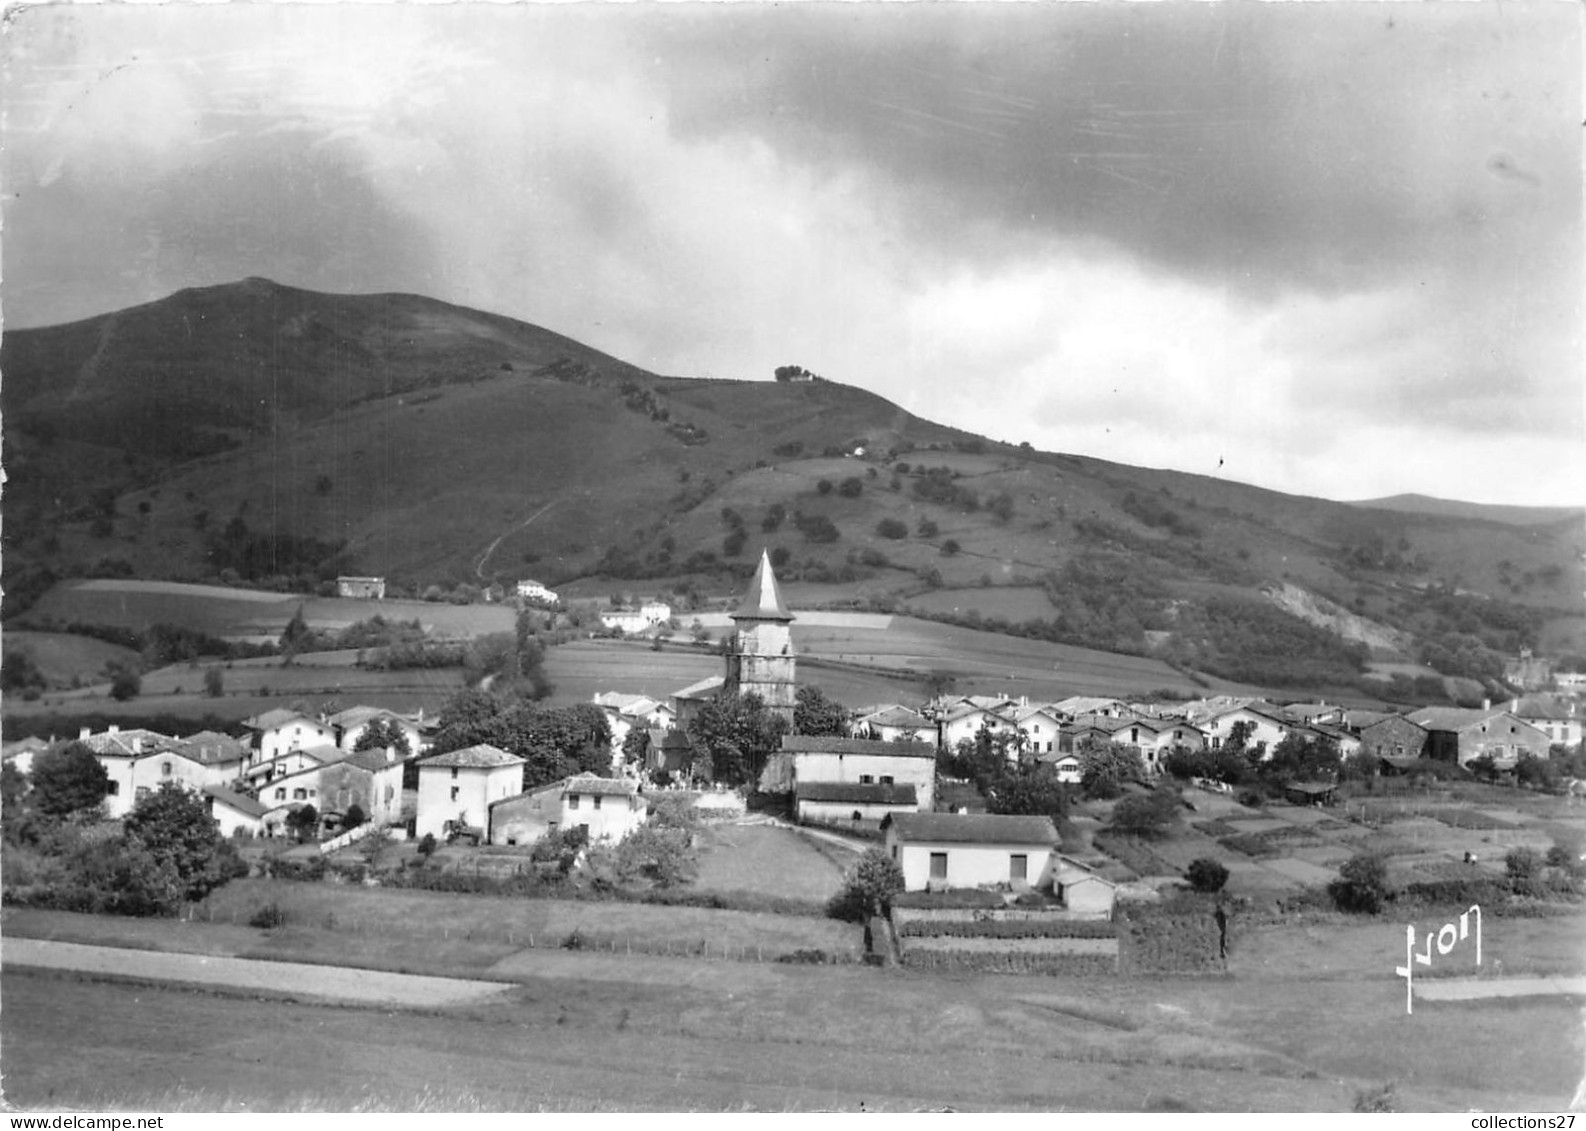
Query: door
[1018, 868]
[938, 865]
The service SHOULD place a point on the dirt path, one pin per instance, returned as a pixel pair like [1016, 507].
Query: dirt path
[1473, 989]
[296, 979]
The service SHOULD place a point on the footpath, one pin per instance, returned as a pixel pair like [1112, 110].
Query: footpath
[294, 979]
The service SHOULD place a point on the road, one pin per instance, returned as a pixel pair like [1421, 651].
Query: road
[293, 979]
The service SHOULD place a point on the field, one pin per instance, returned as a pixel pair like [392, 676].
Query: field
[1308, 1019]
[751, 857]
[62, 656]
[1280, 848]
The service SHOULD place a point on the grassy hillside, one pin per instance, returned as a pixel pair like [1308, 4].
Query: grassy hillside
[261, 434]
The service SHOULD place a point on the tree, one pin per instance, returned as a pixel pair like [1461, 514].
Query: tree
[354, 817]
[824, 487]
[869, 887]
[661, 854]
[1362, 884]
[893, 528]
[303, 822]
[733, 735]
[950, 547]
[214, 682]
[851, 488]
[174, 827]
[1105, 766]
[814, 713]
[296, 636]
[68, 780]
[1146, 814]
[1238, 737]
[1033, 791]
[125, 683]
[381, 734]
[1206, 875]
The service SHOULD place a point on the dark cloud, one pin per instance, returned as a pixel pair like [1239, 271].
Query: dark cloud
[1262, 145]
[287, 205]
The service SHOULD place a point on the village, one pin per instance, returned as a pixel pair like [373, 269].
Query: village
[874, 774]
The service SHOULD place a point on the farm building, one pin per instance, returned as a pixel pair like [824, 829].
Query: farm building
[806, 759]
[1066, 767]
[132, 778]
[761, 660]
[234, 812]
[1393, 736]
[667, 752]
[1082, 891]
[456, 788]
[953, 850]
[606, 808]
[527, 817]
[849, 803]
[1470, 734]
[365, 587]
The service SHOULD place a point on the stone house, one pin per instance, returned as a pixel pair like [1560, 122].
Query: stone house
[457, 788]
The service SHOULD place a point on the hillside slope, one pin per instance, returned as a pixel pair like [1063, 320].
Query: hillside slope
[258, 432]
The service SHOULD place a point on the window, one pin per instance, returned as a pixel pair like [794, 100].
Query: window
[938, 865]
[165, 769]
[454, 773]
[886, 779]
[597, 801]
[299, 794]
[113, 788]
[867, 779]
[280, 794]
[454, 793]
[143, 791]
[1018, 867]
[572, 801]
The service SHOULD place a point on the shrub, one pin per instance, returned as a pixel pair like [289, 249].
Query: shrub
[851, 488]
[268, 917]
[869, 887]
[824, 487]
[1377, 1100]
[805, 958]
[892, 528]
[1362, 884]
[1207, 875]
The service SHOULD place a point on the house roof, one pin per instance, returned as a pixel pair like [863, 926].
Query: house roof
[134, 743]
[269, 720]
[242, 804]
[858, 793]
[829, 744]
[1087, 704]
[896, 716]
[353, 716]
[764, 599]
[480, 757]
[372, 760]
[1540, 707]
[704, 689]
[973, 828]
[1453, 718]
[599, 786]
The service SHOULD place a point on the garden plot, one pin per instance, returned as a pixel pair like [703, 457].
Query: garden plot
[1246, 877]
[1004, 945]
[1300, 871]
[1309, 816]
[1323, 855]
[1181, 851]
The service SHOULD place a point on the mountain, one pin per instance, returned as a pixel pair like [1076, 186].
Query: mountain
[261, 432]
[1453, 508]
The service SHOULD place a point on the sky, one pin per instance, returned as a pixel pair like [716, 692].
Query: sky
[1328, 248]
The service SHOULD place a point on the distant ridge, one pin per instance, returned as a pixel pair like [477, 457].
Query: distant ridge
[1489, 512]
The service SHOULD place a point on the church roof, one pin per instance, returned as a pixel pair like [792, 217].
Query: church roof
[764, 599]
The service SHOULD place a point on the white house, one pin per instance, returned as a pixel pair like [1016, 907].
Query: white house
[364, 587]
[136, 777]
[966, 720]
[234, 812]
[894, 723]
[807, 759]
[605, 808]
[624, 712]
[535, 591]
[457, 788]
[1554, 717]
[1266, 730]
[276, 732]
[1040, 723]
[289, 764]
[645, 617]
[1066, 767]
[952, 850]
[350, 725]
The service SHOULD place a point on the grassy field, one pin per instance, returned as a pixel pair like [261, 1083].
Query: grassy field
[755, 857]
[1308, 1019]
[63, 656]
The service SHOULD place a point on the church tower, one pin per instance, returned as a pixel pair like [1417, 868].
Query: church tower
[761, 660]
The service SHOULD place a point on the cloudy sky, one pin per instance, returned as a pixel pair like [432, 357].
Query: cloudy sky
[1328, 248]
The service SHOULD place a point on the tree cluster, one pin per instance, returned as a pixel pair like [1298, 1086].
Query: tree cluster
[732, 737]
[555, 741]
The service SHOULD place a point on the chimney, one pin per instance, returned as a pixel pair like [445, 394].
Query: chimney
[83, 733]
[1486, 704]
[113, 729]
[390, 754]
[137, 744]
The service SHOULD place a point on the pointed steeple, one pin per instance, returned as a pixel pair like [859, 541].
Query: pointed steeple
[764, 599]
